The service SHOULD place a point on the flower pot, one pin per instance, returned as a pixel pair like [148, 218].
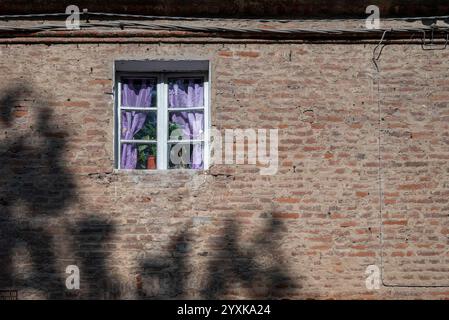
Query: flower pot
[151, 162]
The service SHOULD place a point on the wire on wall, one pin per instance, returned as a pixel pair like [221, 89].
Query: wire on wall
[429, 25]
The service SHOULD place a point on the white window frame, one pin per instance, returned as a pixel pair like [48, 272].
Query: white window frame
[162, 118]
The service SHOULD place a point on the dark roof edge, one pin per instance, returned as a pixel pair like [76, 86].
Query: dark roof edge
[288, 9]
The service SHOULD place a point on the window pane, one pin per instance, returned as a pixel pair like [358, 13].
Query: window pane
[185, 92]
[185, 155]
[185, 125]
[138, 156]
[138, 125]
[140, 93]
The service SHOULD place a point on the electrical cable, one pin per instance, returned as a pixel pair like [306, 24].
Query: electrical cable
[375, 60]
[188, 28]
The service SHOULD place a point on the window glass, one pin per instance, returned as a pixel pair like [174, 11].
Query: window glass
[178, 141]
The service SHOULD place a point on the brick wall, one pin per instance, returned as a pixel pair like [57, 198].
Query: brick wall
[310, 231]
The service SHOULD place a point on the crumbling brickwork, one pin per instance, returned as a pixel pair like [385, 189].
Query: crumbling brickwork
[310, 231]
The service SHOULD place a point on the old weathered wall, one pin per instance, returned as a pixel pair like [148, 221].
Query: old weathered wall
[310, 231]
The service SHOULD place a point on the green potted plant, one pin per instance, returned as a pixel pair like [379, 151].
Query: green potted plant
[151, 159]
[147, 156]
[147, 153]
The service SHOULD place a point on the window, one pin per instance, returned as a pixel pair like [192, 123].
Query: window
[161, 121]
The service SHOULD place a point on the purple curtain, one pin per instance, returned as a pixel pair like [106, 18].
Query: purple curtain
[187, 94]
[135, 93]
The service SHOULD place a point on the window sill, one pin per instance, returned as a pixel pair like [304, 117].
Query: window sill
[158, 172]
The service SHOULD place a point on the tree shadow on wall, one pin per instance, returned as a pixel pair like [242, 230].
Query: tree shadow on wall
[36, 188]
[165, 277]
[254, 269]
[90, 245]
[258, 269]
[36, 191]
